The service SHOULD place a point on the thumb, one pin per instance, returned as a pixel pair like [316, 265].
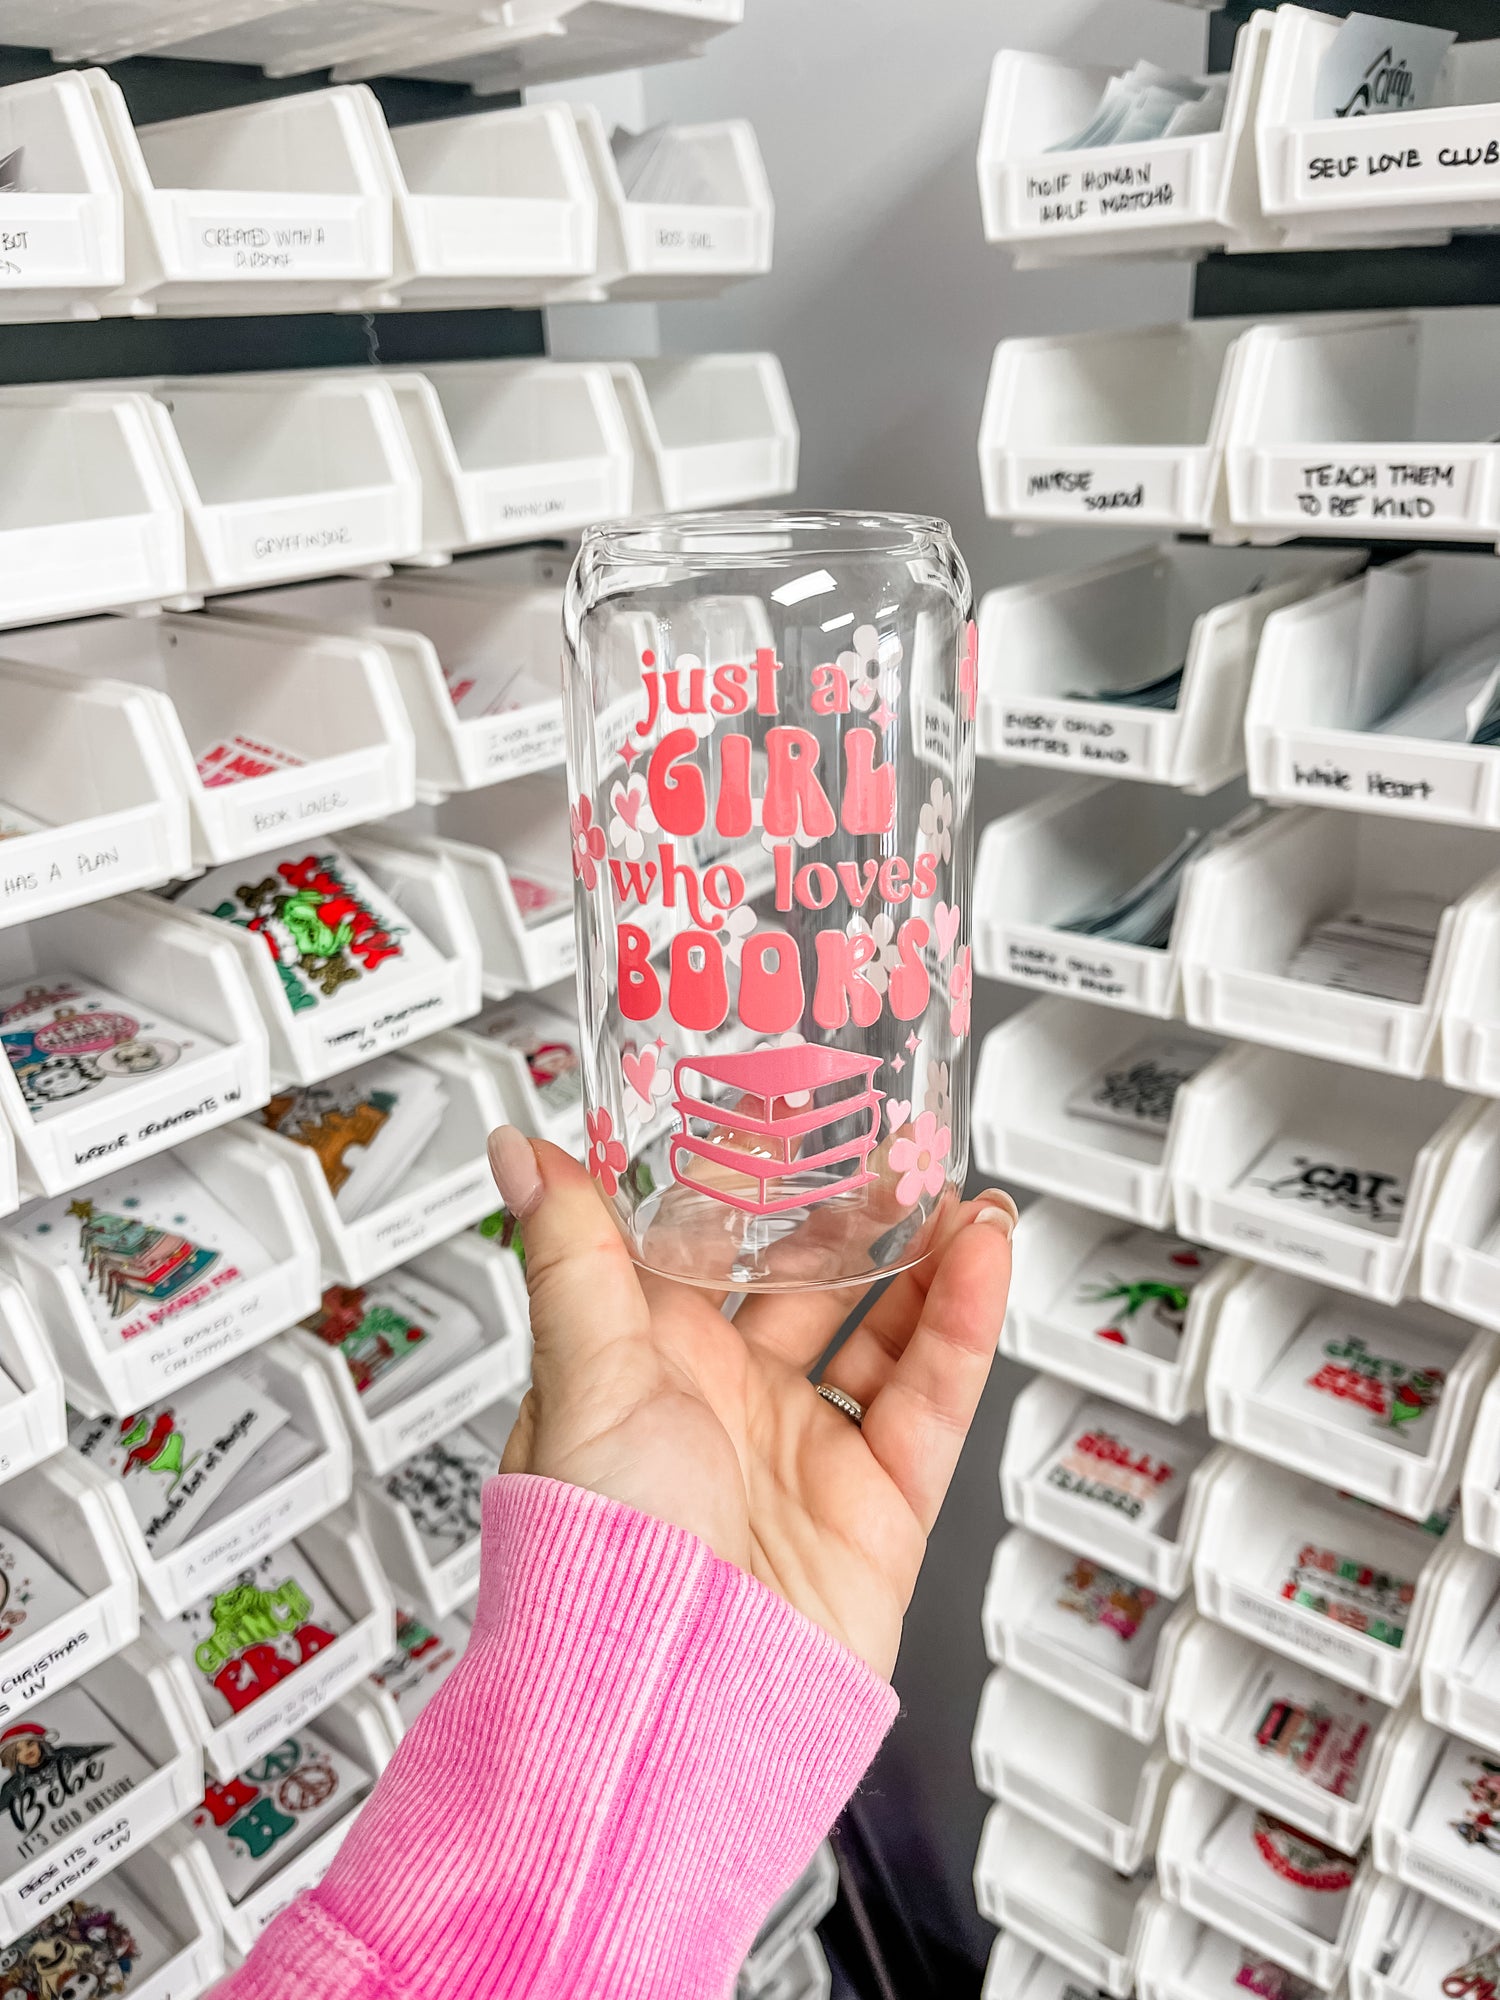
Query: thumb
[582, 1284]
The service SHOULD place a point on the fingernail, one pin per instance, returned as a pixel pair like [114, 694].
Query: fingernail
[996, 1207]
[513, 1164]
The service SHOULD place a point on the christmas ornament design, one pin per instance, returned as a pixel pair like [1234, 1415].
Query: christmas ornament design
[145, 1246]
[86, 1950]
[1348, 1591]
[367, 1128]
[255, 1633]
[1364, 1371]
[65, 1041]
[254, 1823]
[325, 924]
[441, 1488]
[59, 1766]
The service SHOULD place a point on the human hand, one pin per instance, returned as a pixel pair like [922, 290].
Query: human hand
[643, 1391]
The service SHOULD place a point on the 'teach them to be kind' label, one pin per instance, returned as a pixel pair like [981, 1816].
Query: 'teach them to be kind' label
[1373, 491]
[1095, 736]
[1096, 974]
[1457, 150]
[291, 244]
[1386, 781]
[1117, 486]
[1114, 193]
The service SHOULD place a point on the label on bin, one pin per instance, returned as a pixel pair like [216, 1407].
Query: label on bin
[1456, 154]
[1113, 190]
[1118, 488]
[219, 243]
[1097, 736]
[1381, 488]
[40, 249]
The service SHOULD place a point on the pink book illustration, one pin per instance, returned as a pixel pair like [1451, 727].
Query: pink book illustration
[758, 1153]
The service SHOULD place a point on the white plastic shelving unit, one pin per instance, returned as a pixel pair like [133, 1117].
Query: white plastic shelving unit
[716, 234]
[1181, 1959]
[33, 1424]
[1460, 1673]
[509, 848]
[1416, 1844]
[1119, 429]
[1029, 1577]
[104, 1373]
[1471, 1015]
[1394, 1918]
[1365, 426]
[707, 430]
[1313, 1166]
[1047, 202]
[1065, 1904]
[1248, 907]
[1481, 1479]
[511, 450]
[1049, 647]
[62, 244]
[1074, 852]
[1055, 1241]
[315, 719]
[1460, 1268]
[1332, 667]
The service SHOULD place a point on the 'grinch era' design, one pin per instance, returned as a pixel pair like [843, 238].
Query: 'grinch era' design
[260, 1636]
[133, 1262]
[765, 1127]
[79, 1951]
[1392, 1393]
[64, 1042]
[256, 1821]
[370, 1331]
[1349, 1592]
[321, 924]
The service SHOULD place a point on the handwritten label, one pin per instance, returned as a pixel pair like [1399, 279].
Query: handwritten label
[48, 869]
[1118, 489]
[1381, 779]
[1302, 1634]
[24, 1684]
[1292, 1247]
[1374, 492]
[40, 250]
[1451, 1883]
[1064, 969]
[529, 740]
[1097, 736]
[307, 1699]
[221, 245]
[212, 1566]
[1118, 191]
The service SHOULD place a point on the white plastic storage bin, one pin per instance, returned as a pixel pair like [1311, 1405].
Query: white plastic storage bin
[1181, 1959]
[337, 1553]
[1248, 908]
[1471, 1013]
[511, 850]
[264, 732]
[1328, 1580]
[172, 1087]
[67, 1523]
[32, 1421]
[804, 1905]
[804, 1974]
[355, 1728]
[282, 476]
[490, 210]
[477, 665]
[1047, 646]
[1093, 1476]
[274, 206]
[1460, 1269]
[1404, 1939]
[1073, 853]
[707, 430]
[1100, 1790]
[716, 233]
[1065, 1904]
[1289, 1739]
[1127, 1311]
[1073, 1625]
[135, 1693]
[1434, 1824]
[62, 244]
[1377, 1402]
[1313, 1166]
[543, 41]
[1224, 1863]
[530, 1045]
[197, 1333]
[488, 1282]
[1046, 201]
[447, 1187]
[438, 987]
[510, 450]
[1373, 426]
[1481, 1476]
[1034, 1065]
[435, 1585]
[289, 37]
[1331, 668]
[1122, 429]
[1460, 1676]
[1428, 169]
[91, 519]
[186, 1955]
[211, 1557]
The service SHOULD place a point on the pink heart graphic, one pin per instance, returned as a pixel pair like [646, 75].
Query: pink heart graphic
[640, 1072]
[898, 1110]
[628, 805]
[947, 918]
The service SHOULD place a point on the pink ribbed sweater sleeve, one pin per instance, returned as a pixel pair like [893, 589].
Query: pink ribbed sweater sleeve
[639, 1754]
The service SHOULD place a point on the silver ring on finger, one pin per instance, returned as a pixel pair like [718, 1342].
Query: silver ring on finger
[854, 1411]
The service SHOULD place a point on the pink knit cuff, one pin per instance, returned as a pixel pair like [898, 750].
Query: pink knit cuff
[640, 1753]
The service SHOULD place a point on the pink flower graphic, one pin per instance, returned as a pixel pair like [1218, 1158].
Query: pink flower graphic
[588, 842]
[919, 1160]
[968, 673]
[607, 1159]
[960, 991]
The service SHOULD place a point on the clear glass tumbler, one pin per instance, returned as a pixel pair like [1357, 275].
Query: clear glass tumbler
[771, 763]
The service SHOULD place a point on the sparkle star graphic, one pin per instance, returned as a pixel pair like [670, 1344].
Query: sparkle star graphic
[629, 753]
[882, 717]
[911, 1043]
[898, 1063]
